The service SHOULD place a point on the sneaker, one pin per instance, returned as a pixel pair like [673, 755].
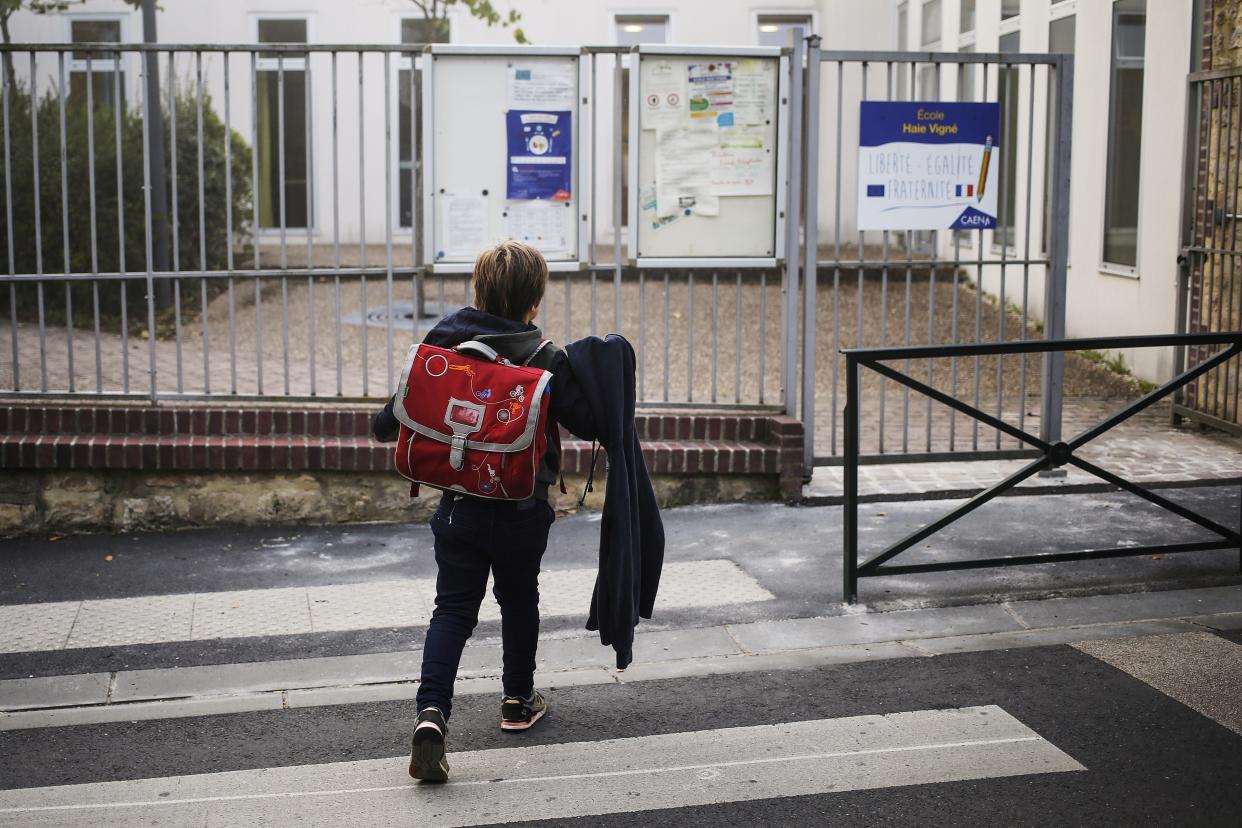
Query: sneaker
[427, 761]
[517, 713]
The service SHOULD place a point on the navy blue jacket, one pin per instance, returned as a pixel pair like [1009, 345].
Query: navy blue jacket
[593, 397]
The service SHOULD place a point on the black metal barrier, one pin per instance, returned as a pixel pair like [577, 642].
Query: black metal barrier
[1053, 454]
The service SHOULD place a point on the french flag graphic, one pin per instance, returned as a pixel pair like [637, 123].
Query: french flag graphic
[966, 189]
[875, 191]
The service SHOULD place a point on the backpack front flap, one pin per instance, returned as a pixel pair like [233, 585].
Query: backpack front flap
[474, 424]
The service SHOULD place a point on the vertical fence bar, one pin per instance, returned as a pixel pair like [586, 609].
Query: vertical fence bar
[1054, 301]
[690, 336]
[715, 309]
[793, 226]
[118, 116]
[257, 225]
[810, 256]
[7, 81]
[974, 423]
[388, 221]
[38, 216]
[228, 226]
[202, 221]
[1006, 217]
[836, 267]
[763, 333]
[176, 214]
[849, 587]
[737, 339]
[362, 221]
[64, 218]
[666, 335]
[931, 297]
[1229, 259]
[311, 308]
[336, 227]
[90, 179]
[905, 389]
[642, 335]
[146, 207]
[1026, 246]
[284, 215]
[884, 237]
[618, 177]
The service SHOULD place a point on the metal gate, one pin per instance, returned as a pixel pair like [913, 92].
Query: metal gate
[899, 288]
[1210, 279]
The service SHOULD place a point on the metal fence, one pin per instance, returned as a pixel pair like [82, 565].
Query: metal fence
[291, 270]
[1210, 288]
[291, 267]
[882, 288]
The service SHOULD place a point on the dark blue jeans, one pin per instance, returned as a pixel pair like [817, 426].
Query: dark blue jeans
[472, 537]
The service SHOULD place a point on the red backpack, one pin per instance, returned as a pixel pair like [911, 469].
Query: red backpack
[471, 421]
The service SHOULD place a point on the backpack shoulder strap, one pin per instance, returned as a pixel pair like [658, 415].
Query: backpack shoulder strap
[543, 343]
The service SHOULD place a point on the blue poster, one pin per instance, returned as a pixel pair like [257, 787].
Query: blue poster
[928, 165]
[540, 155]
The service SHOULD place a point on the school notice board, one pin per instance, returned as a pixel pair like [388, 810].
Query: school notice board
[927, 165]
[501, 138]
[707, 176]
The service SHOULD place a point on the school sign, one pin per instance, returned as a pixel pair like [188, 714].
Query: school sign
[928, 166]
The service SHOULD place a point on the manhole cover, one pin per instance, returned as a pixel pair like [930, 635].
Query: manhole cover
[402, 315]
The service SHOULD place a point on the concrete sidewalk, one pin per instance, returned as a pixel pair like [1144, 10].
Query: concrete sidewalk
[799, 643]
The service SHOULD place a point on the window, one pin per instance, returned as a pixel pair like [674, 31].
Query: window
[632, 30]
[417, 30]
[966, 17]
[282, 108]
[1125, 132]
[107, 83]
[1007, 95]
[1010, 8]
[931, 22]
[774, 28]
[1061, 33]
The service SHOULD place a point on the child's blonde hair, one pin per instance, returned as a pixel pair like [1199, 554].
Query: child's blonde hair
[510, 278]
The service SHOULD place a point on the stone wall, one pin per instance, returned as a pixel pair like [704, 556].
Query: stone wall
[77, 502]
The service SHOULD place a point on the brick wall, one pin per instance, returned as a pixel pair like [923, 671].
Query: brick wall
[129, 464]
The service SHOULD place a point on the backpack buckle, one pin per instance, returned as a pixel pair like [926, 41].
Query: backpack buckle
[457, 452]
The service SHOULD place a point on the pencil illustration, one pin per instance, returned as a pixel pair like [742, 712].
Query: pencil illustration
[983, 170]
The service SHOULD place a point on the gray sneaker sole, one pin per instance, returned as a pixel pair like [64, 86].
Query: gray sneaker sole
[428, 762]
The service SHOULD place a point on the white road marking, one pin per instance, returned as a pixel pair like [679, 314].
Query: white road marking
[620, 775]
[1201, 670]
[116, 622]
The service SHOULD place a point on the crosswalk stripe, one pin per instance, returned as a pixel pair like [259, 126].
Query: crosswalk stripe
[154, 619]
[547, 781]
[1201, 670]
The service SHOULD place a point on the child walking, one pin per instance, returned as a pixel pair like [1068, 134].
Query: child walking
[474, 536]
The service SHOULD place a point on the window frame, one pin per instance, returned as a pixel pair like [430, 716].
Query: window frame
[262, 64]
[95, 65]
[668, 13]
[1124, 271]
[810, 14]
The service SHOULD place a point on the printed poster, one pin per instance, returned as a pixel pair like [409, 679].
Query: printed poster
[547, 86]
[683, 168]
[465, 230]
[754, 91]
[664, 94]
[540, 224]
[540, 153]
[710, 86]
[928, 166]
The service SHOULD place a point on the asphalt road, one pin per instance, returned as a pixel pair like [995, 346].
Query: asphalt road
[1148, 759]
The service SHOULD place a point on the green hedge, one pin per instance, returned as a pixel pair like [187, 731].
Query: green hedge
[50, 239]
